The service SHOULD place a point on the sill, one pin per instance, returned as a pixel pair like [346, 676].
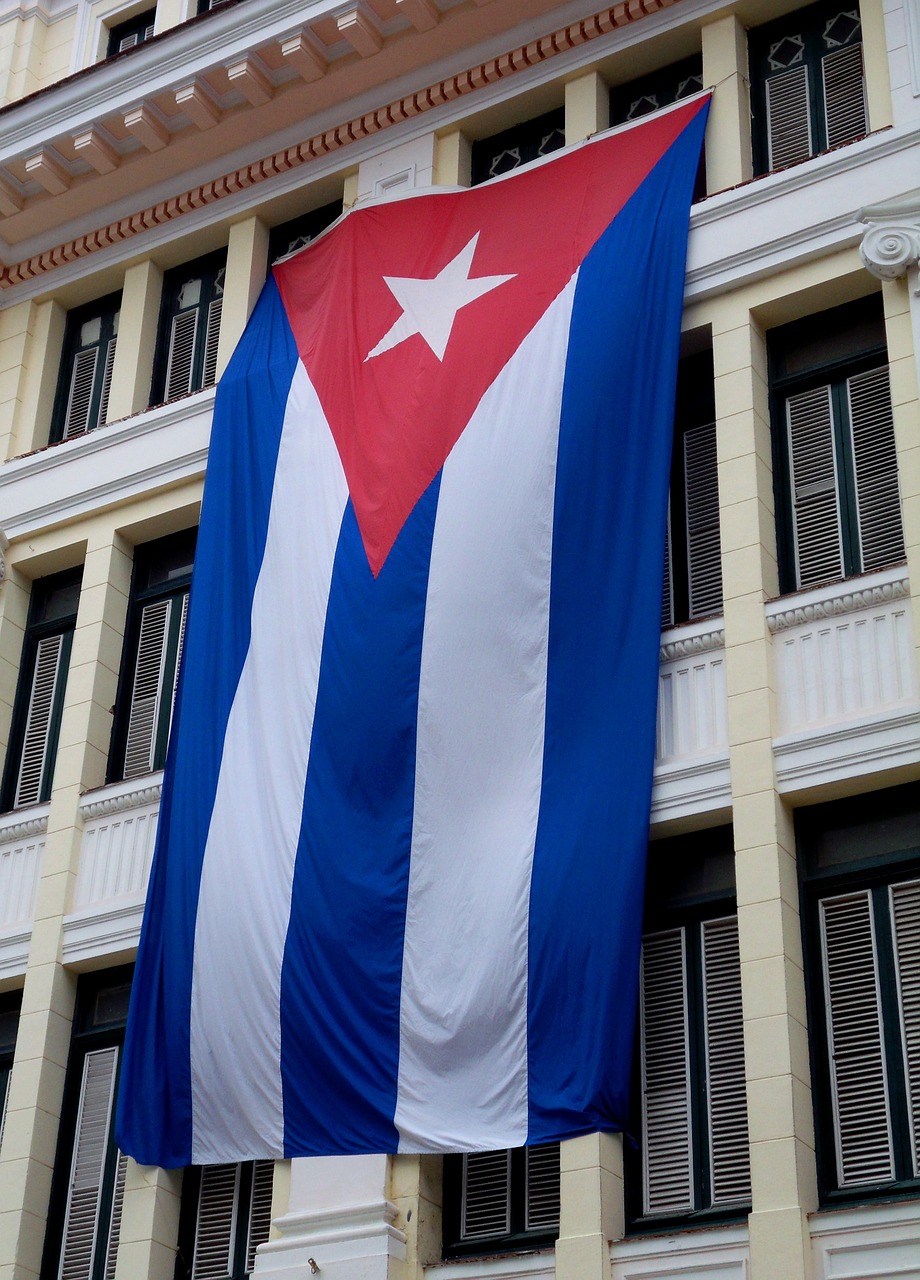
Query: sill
[483, 1251]
[867, 1197]
[699, 1220]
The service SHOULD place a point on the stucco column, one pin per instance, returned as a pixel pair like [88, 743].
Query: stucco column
[777, 1071]
[452, 160]
[31, 340]
[592, 1206]
[149, 1223]
[587, 107]
[137, 335]
[247, 256]
[37, 1082]
[728, 130]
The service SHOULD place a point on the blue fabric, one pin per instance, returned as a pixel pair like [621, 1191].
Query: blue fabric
[154, 1115]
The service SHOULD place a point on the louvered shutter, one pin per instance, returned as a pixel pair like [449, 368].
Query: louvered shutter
[118, 1200]
[212, 336]
[106, 381]
[844, 95]
[788, 118]
[815, 505]
[854, 1018]
[704, 557]
[183, 616]
[730, 1167]
[667, 586]
[665, 1057]
[4, 1099]
[80, 397]
[35, 764]
[260, 1209]
[875, 468]
[181, 359]
[147, 693]
[905, 912]
[541, 1203]
[84, 1196]
[485, 1208]
[215, 1226]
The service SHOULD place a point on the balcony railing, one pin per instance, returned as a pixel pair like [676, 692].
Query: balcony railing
[22, 841]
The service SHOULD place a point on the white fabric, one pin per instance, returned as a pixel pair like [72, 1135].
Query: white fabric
[252, 841]
[463, 1016]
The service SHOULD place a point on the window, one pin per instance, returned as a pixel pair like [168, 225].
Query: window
[9, 1025]
[205, 5]
[693, 1157]
[296, 234]
[660, 89]
[693, 556]
[152, 652]
[513, 147]
[226, 1214]
[40, 692]
[807, 87]
[835, 461]
[89, 1171]
[85, 378]
[861, 903]
[186, 358]
[127, 34]
[497, 1201]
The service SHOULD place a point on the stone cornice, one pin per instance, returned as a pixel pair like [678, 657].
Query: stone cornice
[837, 599]
[121, 797]
[687, 646]
[891, 245]
[21, 825]
[435, 95]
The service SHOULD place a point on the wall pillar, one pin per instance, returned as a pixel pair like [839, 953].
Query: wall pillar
[783, 1174]
[247, 257]
[587, 107]
[728, 130]
[592, 1206]
[43, 1043]
[149, 1223]
[137, 332]
[452, 159]
[42, 339]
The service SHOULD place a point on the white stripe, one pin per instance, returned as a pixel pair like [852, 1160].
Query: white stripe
[252, 841]
[482, 698]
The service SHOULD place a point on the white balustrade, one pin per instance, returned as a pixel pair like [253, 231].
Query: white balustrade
[22, 842]
[846, 683]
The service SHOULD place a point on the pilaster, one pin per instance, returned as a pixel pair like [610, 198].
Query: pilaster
[38, 380]
[452, 159]
[149, 1223]
[783, 1173]
[587, 107]
[592, 1206]
[415, 1189]
[728, 130]
[137, 331]
[247, 256]
[14, 613]
[875, 62]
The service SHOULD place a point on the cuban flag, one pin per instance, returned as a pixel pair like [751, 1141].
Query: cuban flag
[397, 892]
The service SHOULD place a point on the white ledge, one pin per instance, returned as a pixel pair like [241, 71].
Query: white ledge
[847, 749]
[692, 637]
[684, 787]
[120, 796]
[94, 932]
[14, 953]
[836, 598]
[22, 823]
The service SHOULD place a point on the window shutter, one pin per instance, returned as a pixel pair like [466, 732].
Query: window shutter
[875, 467]
[4, 1099]
[667, 586]
[905, 911]
[146, 696]
[181, 360]
[118, 1200]
[46, 681]
[667, 1157]
[106, 381]
[81, 1220]
[704, 557]
[541, 1208]
[788, 118]
[815, 509]
[80, 398]
[485, 1208]
[724, 1034]
[212, 336]
[183, 616]
[844, 95]
[216, 1223]
[260, 1209]
[858, 1082]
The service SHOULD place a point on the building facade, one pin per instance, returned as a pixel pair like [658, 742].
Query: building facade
[154, 161]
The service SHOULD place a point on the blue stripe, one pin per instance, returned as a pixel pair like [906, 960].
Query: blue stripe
[605, 607]
[341, 977]
[154, 1120]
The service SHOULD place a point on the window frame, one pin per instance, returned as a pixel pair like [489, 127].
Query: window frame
[139, 25]
[10, 1006]
[147, 556]
[874, 873]
[107, 311]
[518, 1239]
[36, 631]
[835, 372]
[86, 1039]
[688, 908]
[210, 269]
[241, 1233]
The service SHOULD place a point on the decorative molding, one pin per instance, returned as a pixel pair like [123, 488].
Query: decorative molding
[22, 824]
[121, 797]
[11, 201]
[681, 790]
[199, 104]
[892, 243]
[14, 953]
[423, 14]
[539, 1265]
[686, 646]
[250, 75]
[713, 1253]
[98, 149]
[361, 29]
[49, 172]
[302, 53]
[850, 600]
[88, 934]
[850, 749]
[866, 1240]
[145, 125]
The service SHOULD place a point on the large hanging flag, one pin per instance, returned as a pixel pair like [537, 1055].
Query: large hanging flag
[397, 892]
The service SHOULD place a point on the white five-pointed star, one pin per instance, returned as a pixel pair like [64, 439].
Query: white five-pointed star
[430, 306]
